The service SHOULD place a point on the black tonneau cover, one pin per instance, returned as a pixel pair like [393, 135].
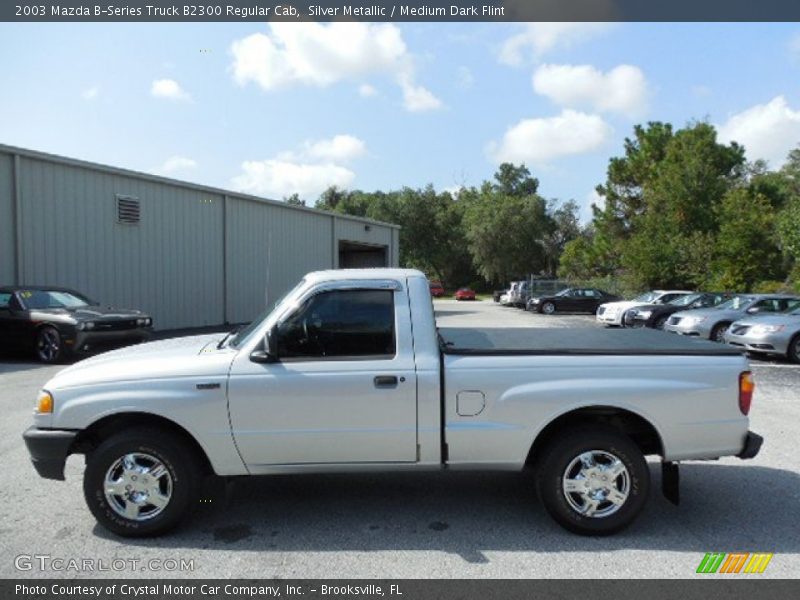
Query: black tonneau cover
[579, 341]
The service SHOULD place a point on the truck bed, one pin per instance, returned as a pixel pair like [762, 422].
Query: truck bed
[532, 341]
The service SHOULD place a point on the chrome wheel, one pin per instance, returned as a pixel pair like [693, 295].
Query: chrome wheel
[661, 322]
[596, 484]
[48, 344]
[549, 308]
[138, 486]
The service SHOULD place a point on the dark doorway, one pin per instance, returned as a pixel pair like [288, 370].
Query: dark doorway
[353, 255]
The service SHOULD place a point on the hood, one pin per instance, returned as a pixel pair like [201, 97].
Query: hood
[175, 357]
[711, 312]
[622, 305]
[90, 313]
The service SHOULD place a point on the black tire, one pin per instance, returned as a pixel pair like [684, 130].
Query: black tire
[49, 345]
[660, 322]
[794, 349]
[718, 332]
[548, 308]
[553, 466]
[176, 455]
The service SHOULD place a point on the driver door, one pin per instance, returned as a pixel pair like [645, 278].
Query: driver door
[343, 389]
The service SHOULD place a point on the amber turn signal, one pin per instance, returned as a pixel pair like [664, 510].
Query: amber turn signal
[44, 403]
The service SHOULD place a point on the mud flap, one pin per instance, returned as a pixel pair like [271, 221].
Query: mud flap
[671, 482]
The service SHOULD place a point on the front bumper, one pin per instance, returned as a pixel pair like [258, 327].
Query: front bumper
[93, 341]
[767, 343]
[49, 449]
[694, 329]
[752, 444]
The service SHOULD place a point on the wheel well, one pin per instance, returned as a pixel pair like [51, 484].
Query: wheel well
[91, 437]
[639, 429]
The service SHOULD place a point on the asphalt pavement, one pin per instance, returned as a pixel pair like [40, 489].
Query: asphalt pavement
[444, 525]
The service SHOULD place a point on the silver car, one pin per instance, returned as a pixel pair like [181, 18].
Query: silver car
[712, 323]
[773, 334]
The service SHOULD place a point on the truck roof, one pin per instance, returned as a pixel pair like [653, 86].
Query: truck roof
[378, 273]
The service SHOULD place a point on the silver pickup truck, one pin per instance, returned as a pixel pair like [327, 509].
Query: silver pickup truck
[349, 372]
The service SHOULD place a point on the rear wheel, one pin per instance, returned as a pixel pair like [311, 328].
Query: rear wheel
[548, 308]
[593, 481]
[718, 333]
[660, 322]
[141, 482]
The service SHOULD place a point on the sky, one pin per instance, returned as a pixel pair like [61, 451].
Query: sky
[279, 109]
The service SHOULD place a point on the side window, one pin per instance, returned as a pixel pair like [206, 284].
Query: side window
[770, 305]
[5, 299]
[340, 323]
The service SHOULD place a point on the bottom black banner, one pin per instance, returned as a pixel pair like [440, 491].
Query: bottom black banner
[400, 589]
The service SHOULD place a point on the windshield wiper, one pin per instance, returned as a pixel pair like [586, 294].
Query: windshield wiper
[227, 335]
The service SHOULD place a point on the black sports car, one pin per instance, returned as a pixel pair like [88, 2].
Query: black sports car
[655, 316]
[58, 322]
[571, 300]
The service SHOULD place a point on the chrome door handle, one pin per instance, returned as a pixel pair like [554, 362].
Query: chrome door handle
[385, 381]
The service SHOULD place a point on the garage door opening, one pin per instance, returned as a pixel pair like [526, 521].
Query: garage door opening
[353, 255]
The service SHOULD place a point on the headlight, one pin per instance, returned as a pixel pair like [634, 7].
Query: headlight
[80, 326]
[762, 329]
[44, 403]
[88, 325]
[141, 322]
[694, 320]
[644, 314]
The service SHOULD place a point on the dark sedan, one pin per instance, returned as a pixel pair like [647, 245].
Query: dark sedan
[655, 316]
[56, 323]
[571, 300]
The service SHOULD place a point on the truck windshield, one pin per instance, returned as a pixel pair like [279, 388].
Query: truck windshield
[245, 332]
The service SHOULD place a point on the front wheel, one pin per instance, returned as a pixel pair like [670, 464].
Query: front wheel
[718, 333]
[548, 308]
[593, 481]
[141, 482]
[794, 349]
[49, 345]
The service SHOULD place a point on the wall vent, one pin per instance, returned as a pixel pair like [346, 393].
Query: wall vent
[128, 210]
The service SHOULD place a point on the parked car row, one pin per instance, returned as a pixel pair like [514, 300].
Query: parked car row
[758, 323]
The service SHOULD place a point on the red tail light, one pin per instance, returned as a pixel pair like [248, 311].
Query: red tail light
[746, 387]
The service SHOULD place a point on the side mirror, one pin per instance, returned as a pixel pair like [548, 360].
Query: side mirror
[754, 310]
[268, 352]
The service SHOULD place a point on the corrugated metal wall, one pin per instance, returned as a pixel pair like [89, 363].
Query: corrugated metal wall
[7, 251]
[189, 262]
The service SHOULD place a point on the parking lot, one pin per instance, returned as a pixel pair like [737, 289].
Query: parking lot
[444, 525]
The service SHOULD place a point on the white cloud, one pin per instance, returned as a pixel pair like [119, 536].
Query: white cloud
[416, 98]
[90, 93]
[365, 90]
[337, 148]
[177, 163]
[702, 91]
[322, 55]
[168, 88]
[306, 172]
[279, 178]
[767, 131]
[537, 39]
[539, 141]
[623, 89]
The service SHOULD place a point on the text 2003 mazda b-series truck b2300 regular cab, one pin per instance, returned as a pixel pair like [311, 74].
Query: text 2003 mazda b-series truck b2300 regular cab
[349, 372]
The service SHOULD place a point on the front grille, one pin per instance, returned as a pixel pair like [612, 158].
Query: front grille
[674, 320]
[741, 330]
[120, 325]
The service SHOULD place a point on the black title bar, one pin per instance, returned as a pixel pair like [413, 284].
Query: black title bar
[408, 11]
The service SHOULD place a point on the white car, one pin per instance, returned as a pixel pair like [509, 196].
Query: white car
[613, 313]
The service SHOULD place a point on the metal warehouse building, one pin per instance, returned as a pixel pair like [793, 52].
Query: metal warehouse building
[188, 254]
